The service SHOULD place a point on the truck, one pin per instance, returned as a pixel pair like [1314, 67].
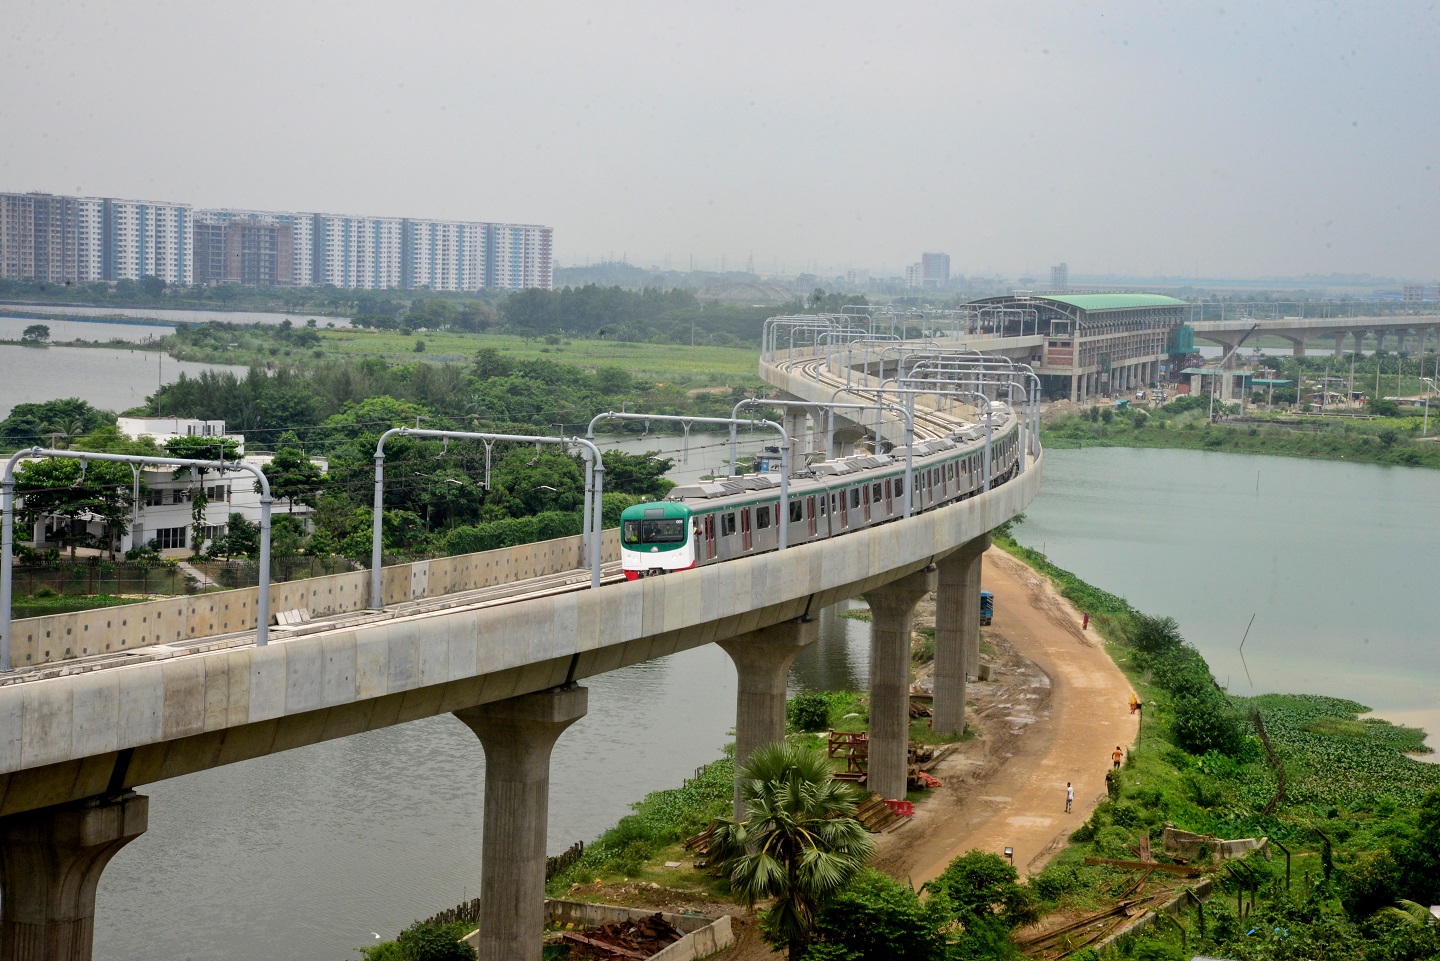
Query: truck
[987, 607]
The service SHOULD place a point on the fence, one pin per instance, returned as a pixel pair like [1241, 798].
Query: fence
[91, 576]
[102, 577]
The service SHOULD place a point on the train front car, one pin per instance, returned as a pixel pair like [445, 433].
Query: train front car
[656, 538]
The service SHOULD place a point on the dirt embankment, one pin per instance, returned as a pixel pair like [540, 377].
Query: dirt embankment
[1052, 714]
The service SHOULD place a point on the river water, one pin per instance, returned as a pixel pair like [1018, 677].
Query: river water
[303, 855]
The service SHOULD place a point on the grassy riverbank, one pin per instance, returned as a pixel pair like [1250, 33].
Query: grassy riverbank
[1185, 424]
[1356, 813]
[1358, 816]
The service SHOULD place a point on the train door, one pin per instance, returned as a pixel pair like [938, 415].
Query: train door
[889, 502]
[710, 537]
[844, 509]
[745, 529]
[810, 512]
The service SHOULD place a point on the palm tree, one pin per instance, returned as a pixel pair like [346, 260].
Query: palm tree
[799, 844]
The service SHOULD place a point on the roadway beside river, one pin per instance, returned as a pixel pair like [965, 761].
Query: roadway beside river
[1060, 712]
[1054, 710]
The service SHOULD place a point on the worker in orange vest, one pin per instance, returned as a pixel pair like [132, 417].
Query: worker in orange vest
[1117, 755]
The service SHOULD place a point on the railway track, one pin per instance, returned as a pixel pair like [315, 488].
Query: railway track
[929, 424]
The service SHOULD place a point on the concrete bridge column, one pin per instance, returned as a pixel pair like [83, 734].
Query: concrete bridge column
[50, 865]
[957, 633]
[518, 734]
[1359, 340]
[762, 662]
[1297, 346]
[1339, 345]
[794, 423]
[817, 431]
[892, 610]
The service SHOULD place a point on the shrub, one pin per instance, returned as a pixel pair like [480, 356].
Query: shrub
[1155, 634]
[877, 917]
[1203, 724]
[984, 886]
[808, 711]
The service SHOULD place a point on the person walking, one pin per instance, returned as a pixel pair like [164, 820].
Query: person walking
[1117, 756]
[1085, 625]
[1069, 796]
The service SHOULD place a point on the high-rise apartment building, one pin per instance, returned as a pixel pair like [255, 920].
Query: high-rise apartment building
[444, 255]
[244, 250]
[140, 239]
[83, 238]
[934, 270]
[1060, 278]
[520, 256]
[38, 237]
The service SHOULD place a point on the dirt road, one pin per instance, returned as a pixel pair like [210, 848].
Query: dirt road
[1040, 729]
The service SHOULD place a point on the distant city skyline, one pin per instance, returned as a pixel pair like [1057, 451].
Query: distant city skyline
[67, 239]
[1246, 139]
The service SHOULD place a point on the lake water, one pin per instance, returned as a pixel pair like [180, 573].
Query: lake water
[109, 378]
[1335, 561]
[302, 855]
[171, 317]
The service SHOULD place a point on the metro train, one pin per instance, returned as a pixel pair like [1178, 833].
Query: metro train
[710, 522]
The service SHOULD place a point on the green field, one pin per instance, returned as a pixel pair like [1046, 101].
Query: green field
[707, 365]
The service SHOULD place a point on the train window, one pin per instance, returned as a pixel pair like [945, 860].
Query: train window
[875, 494]
[796, 512]
[835, 502]
[762, 518]
[824, 502]
[664, 530]
[899, 486]
[854, 497]
[727, 524]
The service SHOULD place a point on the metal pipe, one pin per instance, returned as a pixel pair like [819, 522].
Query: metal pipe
[7, 528]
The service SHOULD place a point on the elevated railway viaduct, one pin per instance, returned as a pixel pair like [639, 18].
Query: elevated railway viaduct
[109, 701]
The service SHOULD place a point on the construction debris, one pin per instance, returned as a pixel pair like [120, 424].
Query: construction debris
[638, 938]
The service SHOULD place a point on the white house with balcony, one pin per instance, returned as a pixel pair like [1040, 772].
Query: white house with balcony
[162, 515]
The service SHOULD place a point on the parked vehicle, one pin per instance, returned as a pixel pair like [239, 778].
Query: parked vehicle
[987, 607]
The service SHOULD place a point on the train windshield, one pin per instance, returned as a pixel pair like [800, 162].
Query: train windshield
[663, 530]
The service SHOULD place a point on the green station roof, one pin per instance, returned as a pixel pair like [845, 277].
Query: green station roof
[1112, 301]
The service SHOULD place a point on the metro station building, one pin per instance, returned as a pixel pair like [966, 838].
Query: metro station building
[1093, 344]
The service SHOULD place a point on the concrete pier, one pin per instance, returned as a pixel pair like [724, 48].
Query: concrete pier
[762, 662]
[50, 865]
[957, 633]
[892, 610]
[518, 735]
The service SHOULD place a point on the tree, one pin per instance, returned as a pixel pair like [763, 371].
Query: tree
[294, 477]
[36, 334]
[983, 886]
[74, 492]
[32, 424]
[152, 286]
[799, 843]
[641, 474]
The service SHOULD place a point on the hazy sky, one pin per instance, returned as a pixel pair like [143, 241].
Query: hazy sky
[1134, 136]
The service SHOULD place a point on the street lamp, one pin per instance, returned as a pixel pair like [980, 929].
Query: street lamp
[1429, 389]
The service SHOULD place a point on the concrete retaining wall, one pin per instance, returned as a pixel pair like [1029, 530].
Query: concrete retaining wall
[59, 637]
